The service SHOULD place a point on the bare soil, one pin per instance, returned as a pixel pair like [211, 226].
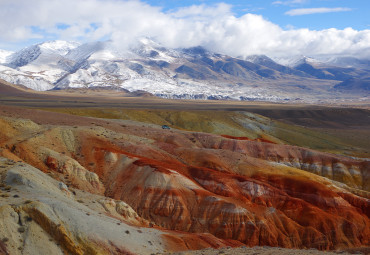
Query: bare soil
[270, 251]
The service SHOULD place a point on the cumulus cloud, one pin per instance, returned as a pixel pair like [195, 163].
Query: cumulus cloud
[214, 27]
[305, 11]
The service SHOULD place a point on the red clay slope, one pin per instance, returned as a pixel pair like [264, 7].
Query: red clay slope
[248, 191]
[273, 209]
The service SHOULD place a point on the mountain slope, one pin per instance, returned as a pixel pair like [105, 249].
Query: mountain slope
[4, 54]
[354, 84]
[175, 73]
[268, 62]
[334, 68]
[48, 51]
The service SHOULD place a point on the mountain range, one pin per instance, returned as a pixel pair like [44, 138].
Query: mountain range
[191, 73]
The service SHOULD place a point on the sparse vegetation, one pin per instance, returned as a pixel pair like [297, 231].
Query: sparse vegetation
[236, 123]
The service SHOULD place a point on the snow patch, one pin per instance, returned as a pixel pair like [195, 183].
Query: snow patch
[4, 54]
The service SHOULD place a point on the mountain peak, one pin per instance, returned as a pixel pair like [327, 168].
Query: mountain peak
[61, 47]
[31, 53]
[259, 59]
[149, 42]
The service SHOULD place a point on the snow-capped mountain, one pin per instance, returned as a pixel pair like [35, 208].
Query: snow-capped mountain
[294, 61]
[173, 73]
[38, 66]
[269, 63]
[349, 62]
[41, 54]
[336, 61]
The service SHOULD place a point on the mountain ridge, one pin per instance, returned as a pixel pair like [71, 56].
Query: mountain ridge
[178, 73]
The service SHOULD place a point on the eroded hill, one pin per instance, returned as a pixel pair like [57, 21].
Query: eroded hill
[213, 190]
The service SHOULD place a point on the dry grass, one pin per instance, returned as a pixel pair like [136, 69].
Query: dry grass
[334, 140]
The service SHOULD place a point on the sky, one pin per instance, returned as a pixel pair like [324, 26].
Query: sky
[338, 14]
[277, 28]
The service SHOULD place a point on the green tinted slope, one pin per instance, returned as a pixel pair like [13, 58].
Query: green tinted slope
[234, 123]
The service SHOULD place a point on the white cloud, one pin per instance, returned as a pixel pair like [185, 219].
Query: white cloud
[291, 2]
[305, 11]
[202, 11]
[214, 27]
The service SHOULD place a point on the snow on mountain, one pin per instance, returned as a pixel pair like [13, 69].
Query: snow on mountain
[16, 77]
[24, 56]
[44, 61]
[296, 60]
[48, 51]
[106, 51]
[61, 47]
[258, 58]
[347, 62]
[269, 63]
[136, 68]
[336, 61]
[147, 48]
[4, 54]
[171, 73]
[84, 51]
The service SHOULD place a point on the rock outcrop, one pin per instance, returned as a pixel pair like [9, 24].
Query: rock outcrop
[73, 172]
[39, 218]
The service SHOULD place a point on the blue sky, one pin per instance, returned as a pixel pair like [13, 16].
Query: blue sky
[238, 28]
[358, 17]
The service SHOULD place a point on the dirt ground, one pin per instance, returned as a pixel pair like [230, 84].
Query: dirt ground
[269, 251]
